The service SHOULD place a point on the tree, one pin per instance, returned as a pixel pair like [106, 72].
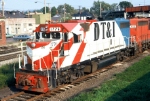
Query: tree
[96, 7]
[113, 6]
[124, 4]
[67, 17]
[85, 9]
[47, 10]
[53, 11]
[68, 9]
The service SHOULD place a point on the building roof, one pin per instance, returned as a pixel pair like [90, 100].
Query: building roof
[85, 13]
[56, 17]
[14, 14]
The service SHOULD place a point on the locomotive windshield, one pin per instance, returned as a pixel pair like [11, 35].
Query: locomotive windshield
[55, 35]
[51, 35]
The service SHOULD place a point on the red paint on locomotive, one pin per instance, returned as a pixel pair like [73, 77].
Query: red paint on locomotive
[139, 28]
[31, 82]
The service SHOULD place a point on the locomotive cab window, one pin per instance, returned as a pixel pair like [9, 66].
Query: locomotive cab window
[55, 35]
[77, 38]
[45, 35]
[142, 23]
[37, 35]
[65, 37]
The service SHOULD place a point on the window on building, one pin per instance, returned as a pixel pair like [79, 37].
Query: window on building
[0, 32]
[24, 25]
[16, 31]
[30, 24]
[7, 30]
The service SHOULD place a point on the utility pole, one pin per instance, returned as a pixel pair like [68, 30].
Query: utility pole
[49, 11]
[64, 12]
[3, 8]
[100, 9]
[49, 7]
[80, 12]
[45, 6]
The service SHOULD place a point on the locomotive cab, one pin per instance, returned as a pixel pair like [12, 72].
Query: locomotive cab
[43, 55]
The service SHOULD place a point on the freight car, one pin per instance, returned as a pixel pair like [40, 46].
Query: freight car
[62, 52]
[140, 29]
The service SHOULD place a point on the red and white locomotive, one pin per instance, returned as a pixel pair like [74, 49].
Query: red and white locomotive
[62, 52]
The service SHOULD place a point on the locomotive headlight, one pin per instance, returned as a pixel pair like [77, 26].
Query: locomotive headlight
[33, 45]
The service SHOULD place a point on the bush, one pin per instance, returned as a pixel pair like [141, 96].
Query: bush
[7, 75]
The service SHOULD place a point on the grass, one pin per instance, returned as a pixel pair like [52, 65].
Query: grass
[7, 75]
[131, 85]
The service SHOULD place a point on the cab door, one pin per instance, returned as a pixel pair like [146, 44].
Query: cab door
[65, 44]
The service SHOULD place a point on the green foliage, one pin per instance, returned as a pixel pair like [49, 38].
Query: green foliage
[96, 7]
[53, 11]
[124, 4]
[131, 85]
[113, 6]
[47, 10]
[7, 75]
[68, 9]
[85, 9]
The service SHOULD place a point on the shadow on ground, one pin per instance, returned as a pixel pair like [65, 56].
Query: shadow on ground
[139, 90]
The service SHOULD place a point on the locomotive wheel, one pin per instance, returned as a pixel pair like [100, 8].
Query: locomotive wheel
[58, 81]
[68, 78]
[119, 57]
[148, 46]
[127, 53]
[82, 72]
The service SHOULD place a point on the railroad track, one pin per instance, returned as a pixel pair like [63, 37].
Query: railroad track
[7, 54]
[22, 96]
[10, 50]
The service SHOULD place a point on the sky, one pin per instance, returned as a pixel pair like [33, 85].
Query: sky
[31, 5]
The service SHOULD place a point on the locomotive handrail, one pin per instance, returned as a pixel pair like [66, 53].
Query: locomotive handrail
[54, 62]
[116, 43]
[19, 61]
[14, 71]
[47, 70]
[40, 63]
[127, 40]
[89, 52]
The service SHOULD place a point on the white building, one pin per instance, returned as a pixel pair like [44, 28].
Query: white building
[18, 26]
